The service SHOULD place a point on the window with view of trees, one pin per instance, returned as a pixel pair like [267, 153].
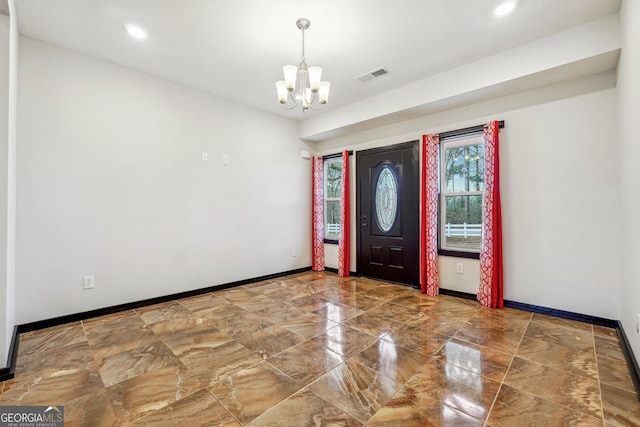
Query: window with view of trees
[461, 186]
[332, 197]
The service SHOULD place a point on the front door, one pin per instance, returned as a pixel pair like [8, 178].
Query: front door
[388, 213]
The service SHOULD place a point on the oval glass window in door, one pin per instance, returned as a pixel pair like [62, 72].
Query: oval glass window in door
[386, 198]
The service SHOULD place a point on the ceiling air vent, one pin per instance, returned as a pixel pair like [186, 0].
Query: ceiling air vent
[378, 72]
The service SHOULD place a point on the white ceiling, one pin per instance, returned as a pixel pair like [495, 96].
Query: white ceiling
[235, 49]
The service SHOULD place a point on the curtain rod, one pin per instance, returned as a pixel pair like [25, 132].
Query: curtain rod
[333, 156]
[467, 131]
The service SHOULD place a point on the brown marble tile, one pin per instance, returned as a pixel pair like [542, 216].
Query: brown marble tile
[415, 300]
[113, 320]
[571, 324]
[308, 324]
[445, 354]
[423, 401]
[117, 334]
[387, 292]
[243, 324]
[357, 390]
[615, 372]
[259, 302]
[560, 332]
[305, 409]
[401, 411]
[621, 407]
[270, 341]
[391, 360]
[216, 364]
[307, 361]
[514, 407]
[451, 308]
[400, 313]
[333, 294]
[610, 347]
[344, 340]
[498, 340]
[91, 409]
[432, 322]
[308, 303]
[161, 312]
[223, 312]
[373, 325]
[278, 313]
[205, 301]
[496, 321]
[604, 332]
[52, 339]
[578, 361]
[199, 408]
[445, 384]
[578, 392]
[413, 338]
[361, 302]
[55, 386]
[65, 346]
[489, 363]
[239, 295]
[131, 363]
[338, 312]
[507, 311]
[190, 335]
[152, 391]
[251, 391]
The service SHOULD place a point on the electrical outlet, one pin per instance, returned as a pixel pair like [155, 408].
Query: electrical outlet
[294, 252]
[89, 282]
[638, 324]
[459, 268]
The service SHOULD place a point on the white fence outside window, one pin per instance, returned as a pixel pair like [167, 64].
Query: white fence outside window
[464, 230]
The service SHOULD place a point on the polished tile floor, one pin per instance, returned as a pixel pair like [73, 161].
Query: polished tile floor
[316, 350]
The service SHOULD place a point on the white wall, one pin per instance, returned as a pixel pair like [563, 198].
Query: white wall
[6, 303]
[559, 192]
[111, 183]
[629, 146]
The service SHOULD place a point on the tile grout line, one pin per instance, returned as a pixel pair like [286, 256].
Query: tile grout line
[595, 353]
[495, 399]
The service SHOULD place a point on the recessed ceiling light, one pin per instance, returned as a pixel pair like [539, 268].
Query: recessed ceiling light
[135, 31]
[505, 8]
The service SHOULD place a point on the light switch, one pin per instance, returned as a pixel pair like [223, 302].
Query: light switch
[205, 157]
[225, 159]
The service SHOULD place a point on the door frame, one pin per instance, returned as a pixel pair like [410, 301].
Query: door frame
[415, 145]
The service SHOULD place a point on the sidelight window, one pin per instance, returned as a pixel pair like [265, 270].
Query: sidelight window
[332, 197]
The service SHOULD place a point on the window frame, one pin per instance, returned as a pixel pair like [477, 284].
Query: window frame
[453, 141]
[325, 165]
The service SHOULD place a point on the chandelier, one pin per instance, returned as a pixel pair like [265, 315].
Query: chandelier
[307, 90]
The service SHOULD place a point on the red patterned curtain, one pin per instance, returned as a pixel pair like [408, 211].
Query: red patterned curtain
[344, 244]
[317, 215]
[429, 280]
[490, 293]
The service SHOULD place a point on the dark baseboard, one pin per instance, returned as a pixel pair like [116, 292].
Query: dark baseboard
[631, 359]
[594, 320]
[458, 294]
[335, 270]
[9, 372]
